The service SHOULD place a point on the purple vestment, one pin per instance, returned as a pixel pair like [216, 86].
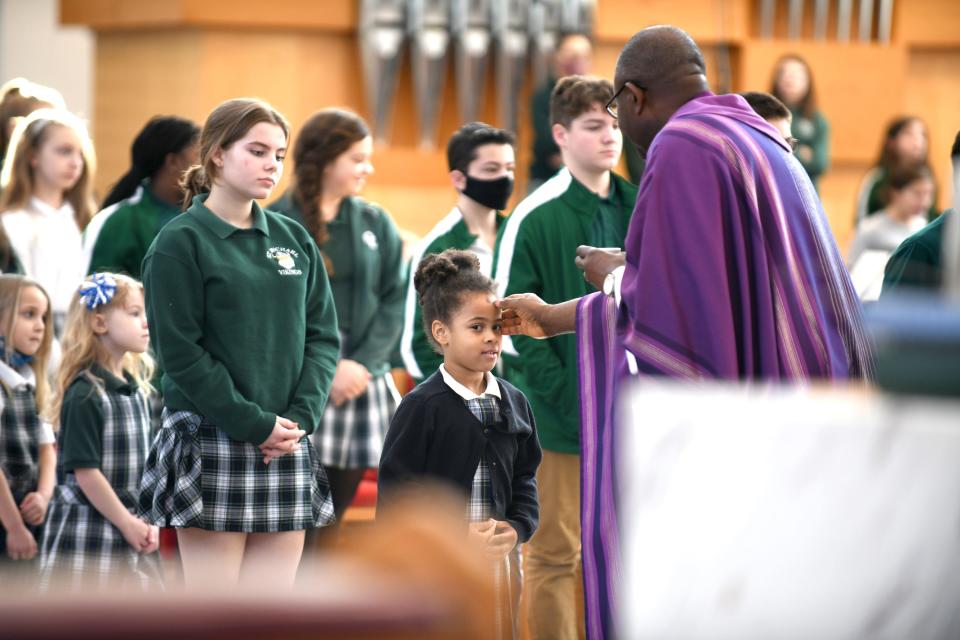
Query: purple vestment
[732, 272]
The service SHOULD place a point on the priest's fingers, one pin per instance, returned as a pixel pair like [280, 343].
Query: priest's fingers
[583, 250]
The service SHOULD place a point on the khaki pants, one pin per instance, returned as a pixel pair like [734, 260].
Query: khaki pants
[552, 590]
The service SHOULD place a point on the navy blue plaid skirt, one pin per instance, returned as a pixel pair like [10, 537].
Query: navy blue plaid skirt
[197, 476]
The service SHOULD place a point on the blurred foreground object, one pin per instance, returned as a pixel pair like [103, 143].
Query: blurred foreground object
[412, 578]
[916, 326]
[788, 512]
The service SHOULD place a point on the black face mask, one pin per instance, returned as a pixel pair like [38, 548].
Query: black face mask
[490, 193]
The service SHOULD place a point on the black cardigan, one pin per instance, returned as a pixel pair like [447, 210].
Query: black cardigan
[434, 436]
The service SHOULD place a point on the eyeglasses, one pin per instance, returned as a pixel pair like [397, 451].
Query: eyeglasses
[611, 106]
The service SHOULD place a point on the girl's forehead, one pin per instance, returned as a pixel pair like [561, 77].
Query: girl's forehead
[266, 133]
[32, 295]
[479, 302]
[58, 132]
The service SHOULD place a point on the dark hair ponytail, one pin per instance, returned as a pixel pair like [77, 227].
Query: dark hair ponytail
[441, 280]
[161, 136]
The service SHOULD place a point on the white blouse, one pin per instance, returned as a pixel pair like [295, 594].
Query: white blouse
[49, 245]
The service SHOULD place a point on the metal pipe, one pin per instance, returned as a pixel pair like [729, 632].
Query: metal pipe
[429, 32]
[768, 9]
[885, 22]
[866, 20]
[382, 36]
[844, 15]
[795, 19]
[821, 12]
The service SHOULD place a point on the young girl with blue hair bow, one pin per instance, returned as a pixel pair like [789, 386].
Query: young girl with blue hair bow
[93, 536]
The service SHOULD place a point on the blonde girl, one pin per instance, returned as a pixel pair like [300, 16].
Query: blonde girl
[47, 201]
[93, 537]
[245, 330]
[27, 455]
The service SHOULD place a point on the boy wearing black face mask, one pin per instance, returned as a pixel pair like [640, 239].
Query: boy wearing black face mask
[584, 204]
[481, 162]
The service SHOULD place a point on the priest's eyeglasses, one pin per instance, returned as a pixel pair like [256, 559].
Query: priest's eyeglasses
[611, 106]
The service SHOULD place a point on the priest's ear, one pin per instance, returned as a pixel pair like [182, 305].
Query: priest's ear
[636, 98]
[441, 333]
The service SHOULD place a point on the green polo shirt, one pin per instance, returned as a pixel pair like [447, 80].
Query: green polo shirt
[242, 321]
[82, 417]
[128, 229]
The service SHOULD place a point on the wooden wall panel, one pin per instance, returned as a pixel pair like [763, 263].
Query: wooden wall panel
[139, 75]
[932, 91]
[707, 21]
[105, 15]
[929, 23]
[857, 87]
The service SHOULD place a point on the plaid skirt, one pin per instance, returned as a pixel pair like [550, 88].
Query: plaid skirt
[197, 476]
[507, 572]
[351, 436]
[81, 549]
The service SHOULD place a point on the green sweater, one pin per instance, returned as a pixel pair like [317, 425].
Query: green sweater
[121, 237]
[536, 255]
[419, 357]
[918, 262]
[366, 255]
[242, 321]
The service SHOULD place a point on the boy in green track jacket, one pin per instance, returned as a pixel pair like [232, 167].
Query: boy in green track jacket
[481, 162]
[584, 204]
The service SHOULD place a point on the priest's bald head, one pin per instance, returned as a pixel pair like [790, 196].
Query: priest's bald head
[659, 70]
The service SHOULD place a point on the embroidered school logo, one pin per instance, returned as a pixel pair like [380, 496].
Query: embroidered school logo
[286, 258]
[370, 239]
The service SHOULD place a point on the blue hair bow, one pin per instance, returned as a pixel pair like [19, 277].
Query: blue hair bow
[99, 289]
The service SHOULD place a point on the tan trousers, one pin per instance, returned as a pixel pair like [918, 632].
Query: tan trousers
[552, 592]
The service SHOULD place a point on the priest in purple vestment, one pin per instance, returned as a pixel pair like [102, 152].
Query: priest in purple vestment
[730, 271]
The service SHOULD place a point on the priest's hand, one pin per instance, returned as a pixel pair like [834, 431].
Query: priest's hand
[524, 314]
[597, 263]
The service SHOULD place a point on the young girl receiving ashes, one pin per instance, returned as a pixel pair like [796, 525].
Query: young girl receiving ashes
[27, 456]
[465, 427]
[92, 537]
